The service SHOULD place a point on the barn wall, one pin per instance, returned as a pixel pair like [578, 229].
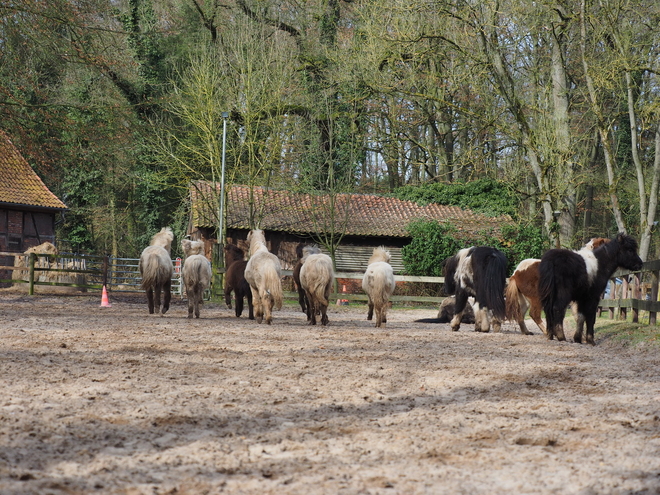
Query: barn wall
[21, 230]
[354, 251]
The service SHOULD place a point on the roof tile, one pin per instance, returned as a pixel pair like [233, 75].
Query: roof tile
[19, 184]
[362, 214]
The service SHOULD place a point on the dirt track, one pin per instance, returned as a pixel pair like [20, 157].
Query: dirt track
[112, 400]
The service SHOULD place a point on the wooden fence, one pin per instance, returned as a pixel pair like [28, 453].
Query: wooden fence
[626, 290]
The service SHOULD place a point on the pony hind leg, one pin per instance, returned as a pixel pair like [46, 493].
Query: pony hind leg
[199, 299]
[157, 290]
[238, 310]
[370, 312]
[167, 297]
[379, 316]
[535, 314]
[150, 299]
[228, 290]
[250, 305]
[258, 310]
[459, 308]
[324, 314]
[524, 306]
[579, 327]
[190, 293]
[267, 305]
[481, 319]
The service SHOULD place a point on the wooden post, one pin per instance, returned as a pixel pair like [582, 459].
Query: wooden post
[612, 296]
[33, 258]
[106, 265]
[636, 295]
[625, 291]
[655, 278]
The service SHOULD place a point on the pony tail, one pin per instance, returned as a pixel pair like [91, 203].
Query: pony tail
[275, 289]
[512, 302]
[494, 286]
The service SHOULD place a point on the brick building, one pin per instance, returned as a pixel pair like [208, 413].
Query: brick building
[28, 209]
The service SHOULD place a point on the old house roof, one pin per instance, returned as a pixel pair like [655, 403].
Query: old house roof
[19, 184]
[362, 214]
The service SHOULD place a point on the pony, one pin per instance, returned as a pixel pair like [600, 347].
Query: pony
[581, 276]
[196, 274]
[235, 280]
[522, 291]
[378, 282]
[156, 270]
[263, 272]
[448, 310]
[300, 251]
[317, 277]
[479, 272]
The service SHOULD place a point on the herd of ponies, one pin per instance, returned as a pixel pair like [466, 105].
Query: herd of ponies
[475, 278]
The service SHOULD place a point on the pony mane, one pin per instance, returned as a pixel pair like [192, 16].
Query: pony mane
[380, 254]
[256, 241]
[307, 250]
[163, 238]
[596, 242]
[191, 248]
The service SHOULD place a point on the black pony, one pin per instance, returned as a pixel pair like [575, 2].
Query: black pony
[235, 280]
[479, 272]
[581, 276]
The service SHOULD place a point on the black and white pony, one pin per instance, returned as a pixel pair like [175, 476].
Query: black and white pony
[581, 276]
[479, 272]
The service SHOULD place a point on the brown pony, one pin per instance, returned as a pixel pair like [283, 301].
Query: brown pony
[264, 274]
[235, 280]
[156, 270]
[317, 276]
[522, 292]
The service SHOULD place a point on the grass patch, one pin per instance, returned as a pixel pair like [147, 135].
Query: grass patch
[627, 332]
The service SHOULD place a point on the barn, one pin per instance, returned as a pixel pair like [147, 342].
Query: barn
[288, 219]
[28, 209]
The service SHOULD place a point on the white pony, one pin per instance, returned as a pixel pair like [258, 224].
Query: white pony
[156, 270]
[378, 282]
[264, 273]
[196, 274]
[316, 277]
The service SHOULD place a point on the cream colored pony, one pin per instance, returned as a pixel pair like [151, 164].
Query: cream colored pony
[196, 274]
[378, 282]
[316, 277]
[156, 270]
[263, 272]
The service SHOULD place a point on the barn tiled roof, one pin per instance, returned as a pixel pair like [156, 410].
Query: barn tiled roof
[362, 214]
[19, 184]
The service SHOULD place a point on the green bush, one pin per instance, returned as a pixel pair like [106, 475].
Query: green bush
[486, 196]
[432, 243]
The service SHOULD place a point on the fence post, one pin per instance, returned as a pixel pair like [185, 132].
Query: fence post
[33, 258]
[636, 295]
[655, 276]
[106, 265]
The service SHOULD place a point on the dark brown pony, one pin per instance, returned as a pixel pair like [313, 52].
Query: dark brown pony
[235, 280]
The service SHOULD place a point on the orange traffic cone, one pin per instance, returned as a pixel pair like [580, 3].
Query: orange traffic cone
[104, 299]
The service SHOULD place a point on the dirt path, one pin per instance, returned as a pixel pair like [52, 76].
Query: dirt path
[112, 400]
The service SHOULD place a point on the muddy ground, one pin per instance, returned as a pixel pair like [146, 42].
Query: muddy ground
[112, 400]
